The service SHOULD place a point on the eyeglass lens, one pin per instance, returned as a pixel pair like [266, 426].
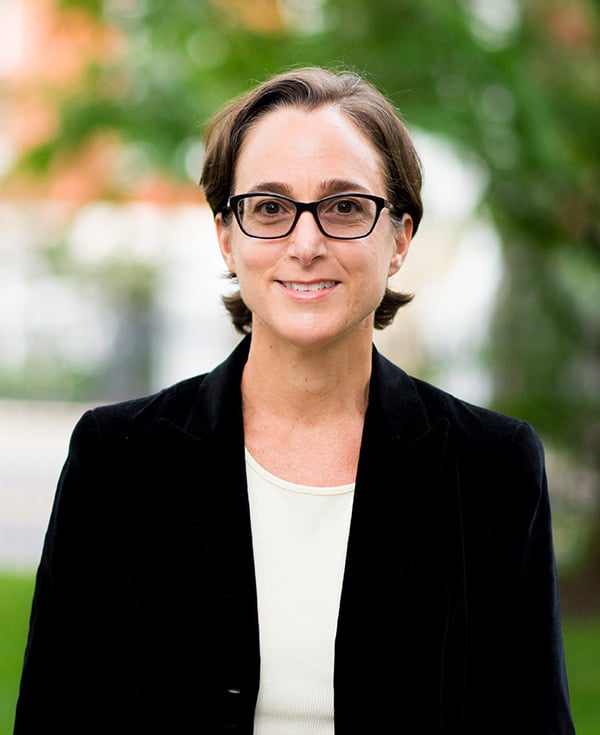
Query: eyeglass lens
[340, 216]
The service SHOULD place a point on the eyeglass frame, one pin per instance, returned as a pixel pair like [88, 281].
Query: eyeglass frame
[380, 203]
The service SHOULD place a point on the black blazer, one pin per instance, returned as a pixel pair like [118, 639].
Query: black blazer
[144, 618]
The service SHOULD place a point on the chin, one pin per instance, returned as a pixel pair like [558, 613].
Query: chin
[317, 334]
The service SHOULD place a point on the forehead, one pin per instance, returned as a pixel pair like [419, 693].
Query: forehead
[299, 148]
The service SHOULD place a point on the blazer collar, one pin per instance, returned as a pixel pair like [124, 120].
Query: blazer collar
[394, 401]
[219, 399]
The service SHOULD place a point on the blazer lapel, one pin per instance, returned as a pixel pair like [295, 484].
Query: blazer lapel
[206, 452]
[397, 506]
[212, 484]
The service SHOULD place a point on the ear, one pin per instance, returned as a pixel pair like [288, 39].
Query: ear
[224, 239]
[403, 237]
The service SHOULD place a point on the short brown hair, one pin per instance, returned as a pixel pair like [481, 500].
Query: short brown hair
[310, 88]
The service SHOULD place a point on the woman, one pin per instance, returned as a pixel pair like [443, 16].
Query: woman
[306, 539]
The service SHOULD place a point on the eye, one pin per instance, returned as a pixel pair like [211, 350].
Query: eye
[269, 207]
[347, 209]
[347, 206]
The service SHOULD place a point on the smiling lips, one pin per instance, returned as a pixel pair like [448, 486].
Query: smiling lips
[316, 286]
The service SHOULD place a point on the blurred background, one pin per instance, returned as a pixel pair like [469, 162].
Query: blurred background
[110, 277]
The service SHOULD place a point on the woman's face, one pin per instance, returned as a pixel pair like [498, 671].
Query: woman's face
[306, 288]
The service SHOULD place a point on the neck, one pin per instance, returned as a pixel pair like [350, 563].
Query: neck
[304, 409]
[307, 386]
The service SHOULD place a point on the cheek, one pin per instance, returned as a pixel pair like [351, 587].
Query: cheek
[251, 262]
[386, 263]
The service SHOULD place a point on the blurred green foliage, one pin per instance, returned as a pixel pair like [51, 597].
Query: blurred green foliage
[513, 85]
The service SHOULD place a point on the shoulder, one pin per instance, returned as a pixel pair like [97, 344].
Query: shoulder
[195, 405]
[139, 415]
[504, 450]
[495, 461]
[476, 434]
[473, 425]
[498, 460]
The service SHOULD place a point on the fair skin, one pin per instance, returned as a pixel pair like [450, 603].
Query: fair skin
[305, 385]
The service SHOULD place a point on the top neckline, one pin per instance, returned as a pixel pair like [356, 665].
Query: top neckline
[294, 486]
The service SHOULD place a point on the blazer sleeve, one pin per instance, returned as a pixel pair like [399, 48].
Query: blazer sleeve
[516, 670]
[71, 595]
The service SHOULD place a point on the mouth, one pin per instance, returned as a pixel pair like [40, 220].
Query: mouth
[316, 286]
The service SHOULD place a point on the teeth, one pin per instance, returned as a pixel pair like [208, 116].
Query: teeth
[308, 286]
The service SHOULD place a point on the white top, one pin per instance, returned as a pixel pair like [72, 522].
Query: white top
[299, 535]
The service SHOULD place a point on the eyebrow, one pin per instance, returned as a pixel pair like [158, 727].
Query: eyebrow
[326, 187]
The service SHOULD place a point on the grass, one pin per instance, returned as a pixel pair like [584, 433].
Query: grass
[15, 600]
[582, 645]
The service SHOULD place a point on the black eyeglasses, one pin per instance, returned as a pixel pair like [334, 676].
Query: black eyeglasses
[341, 216]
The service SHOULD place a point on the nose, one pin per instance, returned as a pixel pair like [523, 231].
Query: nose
[306, 241]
